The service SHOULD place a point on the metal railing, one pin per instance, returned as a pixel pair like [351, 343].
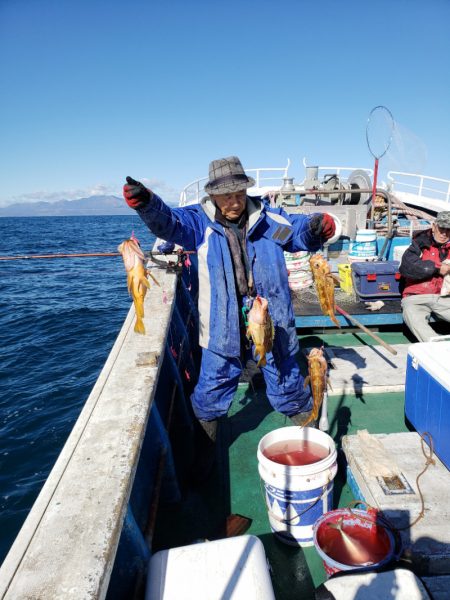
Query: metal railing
[339, 171]
[193, 191]
[420, 185]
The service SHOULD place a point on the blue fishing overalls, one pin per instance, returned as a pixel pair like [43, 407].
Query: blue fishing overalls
[271, 231]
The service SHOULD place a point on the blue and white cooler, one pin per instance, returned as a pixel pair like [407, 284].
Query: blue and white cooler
[427, 393]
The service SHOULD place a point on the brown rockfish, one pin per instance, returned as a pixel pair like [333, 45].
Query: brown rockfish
[317, 379]
[260, 329]
[324, 282]
[137, 281]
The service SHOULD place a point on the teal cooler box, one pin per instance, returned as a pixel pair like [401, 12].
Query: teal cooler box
[376, 280]
[427, 393]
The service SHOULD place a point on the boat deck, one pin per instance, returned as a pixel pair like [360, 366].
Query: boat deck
[235, 486]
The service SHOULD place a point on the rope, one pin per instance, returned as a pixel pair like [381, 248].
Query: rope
[384, 521]
[400, 208]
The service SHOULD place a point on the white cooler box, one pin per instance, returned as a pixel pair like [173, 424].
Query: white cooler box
[427, 393]
[232, 568]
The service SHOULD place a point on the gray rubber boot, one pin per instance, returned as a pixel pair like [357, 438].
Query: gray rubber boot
[301, 418]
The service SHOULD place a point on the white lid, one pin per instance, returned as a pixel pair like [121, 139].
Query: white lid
[233, 567]
[434, 357]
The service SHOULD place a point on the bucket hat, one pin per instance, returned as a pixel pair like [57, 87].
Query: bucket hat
[443, 219]
[227, 175]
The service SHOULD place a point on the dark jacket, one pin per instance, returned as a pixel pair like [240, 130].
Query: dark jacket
[420, 265]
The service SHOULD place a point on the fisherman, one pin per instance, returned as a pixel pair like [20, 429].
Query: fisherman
[239, 242]
[423, 270]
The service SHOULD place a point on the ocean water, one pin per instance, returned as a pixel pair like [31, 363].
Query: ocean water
[58, 321]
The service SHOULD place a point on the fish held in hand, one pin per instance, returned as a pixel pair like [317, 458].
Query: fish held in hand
[317, 378]
[137, 282]
[260, 329]
[324, 282]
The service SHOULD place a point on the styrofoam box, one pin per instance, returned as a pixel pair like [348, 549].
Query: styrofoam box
[427, 393]
[234, 568]
[396, 584]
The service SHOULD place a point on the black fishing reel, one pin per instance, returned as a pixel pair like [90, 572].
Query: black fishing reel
[181, 257]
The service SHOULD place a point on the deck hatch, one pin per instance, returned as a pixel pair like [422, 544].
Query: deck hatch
[395, 485]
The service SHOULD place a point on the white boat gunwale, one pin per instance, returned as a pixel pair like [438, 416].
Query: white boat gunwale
[67, 545]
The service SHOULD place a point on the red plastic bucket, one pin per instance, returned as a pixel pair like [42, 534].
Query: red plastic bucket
[352, 539]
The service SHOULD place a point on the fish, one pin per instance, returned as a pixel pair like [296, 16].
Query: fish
[260, 329]
[137, 281]
[317, 379]
[324, 282]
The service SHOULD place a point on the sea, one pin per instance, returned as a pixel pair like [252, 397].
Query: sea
[59, 318]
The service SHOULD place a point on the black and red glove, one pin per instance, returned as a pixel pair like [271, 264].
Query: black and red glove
[136, 194]
[322, 225]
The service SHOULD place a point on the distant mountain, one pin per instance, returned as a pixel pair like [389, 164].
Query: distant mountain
[94, 205]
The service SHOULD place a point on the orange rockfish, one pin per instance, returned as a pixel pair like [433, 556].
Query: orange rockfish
[260, 329]
[137, 281]
[324, 282]
[317, 379]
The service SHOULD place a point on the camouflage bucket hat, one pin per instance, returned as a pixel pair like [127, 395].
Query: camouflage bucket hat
[227, 175]
[443, 219]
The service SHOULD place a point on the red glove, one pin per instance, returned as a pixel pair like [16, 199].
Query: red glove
[136, 194]
[322, 225]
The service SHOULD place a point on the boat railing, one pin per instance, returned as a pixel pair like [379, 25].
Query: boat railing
[193, 191]
[420, 185]
[342, 172]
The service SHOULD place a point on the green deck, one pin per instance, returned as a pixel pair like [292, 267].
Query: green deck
[235, 485]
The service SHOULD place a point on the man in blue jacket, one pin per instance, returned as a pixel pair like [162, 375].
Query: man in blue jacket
[239, 242]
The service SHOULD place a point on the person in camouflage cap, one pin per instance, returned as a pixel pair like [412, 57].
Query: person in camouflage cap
[443, 219]
[425, 264]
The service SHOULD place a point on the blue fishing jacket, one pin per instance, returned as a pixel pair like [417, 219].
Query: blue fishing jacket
[270, 232]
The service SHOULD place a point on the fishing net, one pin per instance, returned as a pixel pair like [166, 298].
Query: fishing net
[407, 152]
[307, 297]
[379, 131]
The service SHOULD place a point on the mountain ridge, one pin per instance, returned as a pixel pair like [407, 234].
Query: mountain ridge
[92, 205]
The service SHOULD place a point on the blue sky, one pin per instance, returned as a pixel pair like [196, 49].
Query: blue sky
[94, 90]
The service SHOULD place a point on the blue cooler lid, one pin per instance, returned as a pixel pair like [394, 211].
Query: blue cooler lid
[378, 267]
[434, 357]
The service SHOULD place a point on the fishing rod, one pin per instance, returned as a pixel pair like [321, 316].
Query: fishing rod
[92, 255]
[352, 319]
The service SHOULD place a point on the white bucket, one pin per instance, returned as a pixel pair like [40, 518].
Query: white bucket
[296, 496]
[301, 255]
[365, 244]
[300, 284]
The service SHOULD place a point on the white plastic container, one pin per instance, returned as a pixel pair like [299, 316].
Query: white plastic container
[296, 496]
[398, 252]
[233, 567]
[365, 244]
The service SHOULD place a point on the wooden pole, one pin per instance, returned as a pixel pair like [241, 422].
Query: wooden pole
[364, 328]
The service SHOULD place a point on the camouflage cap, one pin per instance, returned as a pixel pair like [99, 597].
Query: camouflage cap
[443, 219]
